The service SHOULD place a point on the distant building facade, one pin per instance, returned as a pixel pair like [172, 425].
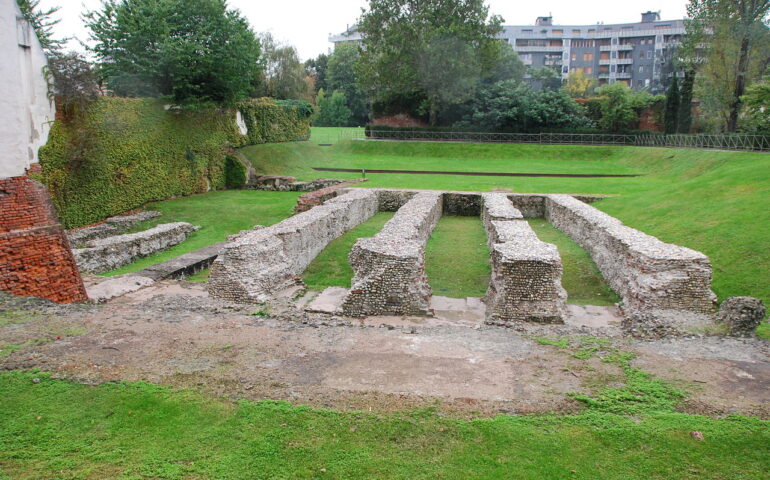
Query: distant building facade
[633, 53]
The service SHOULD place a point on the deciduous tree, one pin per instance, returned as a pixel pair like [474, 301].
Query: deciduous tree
[332, 110]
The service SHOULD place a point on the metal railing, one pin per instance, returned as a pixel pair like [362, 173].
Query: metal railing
[744, 142]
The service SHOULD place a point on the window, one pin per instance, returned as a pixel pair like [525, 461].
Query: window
[588, 57]
[565, 69]
[641, 68]
[614, 54]
[613, 68]
[557, 32]
[604, 56]
[574, 57]
[591, 30]
[526, 31]
[641, 54]
[575, 32]
[646, 82]
[588, 70]
[649, 54]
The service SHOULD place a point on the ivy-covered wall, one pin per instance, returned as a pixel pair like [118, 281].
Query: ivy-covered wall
[125, 152]
[272, 121]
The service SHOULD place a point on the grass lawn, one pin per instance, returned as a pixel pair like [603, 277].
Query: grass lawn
[219, 214]
[331, 267]
[713, 201]
[581, 279]
[60, 430]
[457, 258]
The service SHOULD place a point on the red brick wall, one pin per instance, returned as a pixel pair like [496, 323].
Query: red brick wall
[35, 258]
[399, 120]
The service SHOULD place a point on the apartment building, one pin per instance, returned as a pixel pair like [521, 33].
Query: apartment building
[632, 53]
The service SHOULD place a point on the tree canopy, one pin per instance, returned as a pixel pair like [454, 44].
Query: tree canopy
[341, 76]
[190, 50]
[284, 73]
[434, 52]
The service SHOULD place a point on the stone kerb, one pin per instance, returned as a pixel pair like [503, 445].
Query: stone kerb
[113, 252]
[389, 268]
[526, 273]
[648, 274]
[256, 264]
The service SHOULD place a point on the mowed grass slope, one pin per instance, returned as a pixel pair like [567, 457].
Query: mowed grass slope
[713, 201]
[60, 430]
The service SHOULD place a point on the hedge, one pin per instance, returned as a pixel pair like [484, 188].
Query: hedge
[272, 121]
[123, 152]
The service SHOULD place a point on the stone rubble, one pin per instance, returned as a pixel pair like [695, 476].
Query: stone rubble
[741, 315]
[526, 273]
[389, 268]
[111, 226]
[113, 252]
[256, 264]
[654, 278]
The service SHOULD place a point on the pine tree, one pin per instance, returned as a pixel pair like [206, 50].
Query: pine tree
[671, 116]
[685, 102]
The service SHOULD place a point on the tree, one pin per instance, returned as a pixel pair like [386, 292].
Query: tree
[729, 40]
[511, 106]
[316, 68]
[578, 85]
[75, 83]
[191, 50]
[409, 44]
[43, 22]
[284, 73]
[546, 78]
[341, 75]
[332, 111]
[684, 122]
[757, 108]
[671, 115]
[620, 106]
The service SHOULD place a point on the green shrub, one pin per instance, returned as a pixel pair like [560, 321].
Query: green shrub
[235, 173]
[123, 153]
[271, 121]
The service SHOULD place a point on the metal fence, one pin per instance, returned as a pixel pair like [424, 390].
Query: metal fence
[722, 142]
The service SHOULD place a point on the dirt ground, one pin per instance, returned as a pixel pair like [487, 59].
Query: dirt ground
[173, 333]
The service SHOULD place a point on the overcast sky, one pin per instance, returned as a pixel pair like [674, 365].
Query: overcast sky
[307, 24]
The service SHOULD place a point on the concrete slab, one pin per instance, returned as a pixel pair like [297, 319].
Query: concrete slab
[466, 311]
[328, 301]
[592, 316]
[117, 286]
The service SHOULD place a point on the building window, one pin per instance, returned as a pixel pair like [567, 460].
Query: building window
[557, 32]
[604, 56]
[575, 32]
[574, 57]
[649, 54]
[588, 70]
[565, 69]
[641, 68]
[591, 30]
[588, 57]
[614, 54]
[646, 82]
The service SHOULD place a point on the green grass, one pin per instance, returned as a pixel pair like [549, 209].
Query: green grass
[581, 279]
[713, 201]
[60, 430]
[219, 214]
[457, 258]
[331, 267]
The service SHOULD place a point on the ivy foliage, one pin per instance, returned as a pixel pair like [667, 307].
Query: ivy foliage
[235, 173]
[272, 121]
[122, 153]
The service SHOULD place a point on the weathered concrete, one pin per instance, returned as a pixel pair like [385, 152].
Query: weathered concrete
[113, 252]
[526, 273]
[186, 264]
[390, 267]
[653, 277]
[256, 264]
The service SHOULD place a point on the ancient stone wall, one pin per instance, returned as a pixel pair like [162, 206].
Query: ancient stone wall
[648, 273]
[258, 263]
[389, 268]
[112, 226]
[526, 273]
[35, 257]
[113, 252]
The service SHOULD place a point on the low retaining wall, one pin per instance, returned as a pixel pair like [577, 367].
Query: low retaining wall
[258, 263]
[526, 273]
[278, 183]
[113, 252]
[112, 226]
[648, 273]
[390, 267]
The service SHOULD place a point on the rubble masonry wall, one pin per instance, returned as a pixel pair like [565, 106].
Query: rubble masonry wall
[389, 268]
[258, 263]
[526, 273]
[646, 272]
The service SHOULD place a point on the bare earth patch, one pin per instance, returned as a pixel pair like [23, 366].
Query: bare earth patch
[173, 333]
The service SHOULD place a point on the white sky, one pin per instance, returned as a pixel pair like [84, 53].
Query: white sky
[307, 24]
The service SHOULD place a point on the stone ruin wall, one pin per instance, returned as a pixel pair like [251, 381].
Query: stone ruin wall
[255, 264]
[525, 284]
[389, 268]
[113, 252]
[648, 274]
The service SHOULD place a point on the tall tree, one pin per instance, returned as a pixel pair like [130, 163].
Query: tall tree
[43, 22]
[316, 68]
[341, 75]
[684, 122]
[284, 73]
[579, 85]
[433, 50]
[332, 110]
[731, 36]
[190, 50]
[671, 113]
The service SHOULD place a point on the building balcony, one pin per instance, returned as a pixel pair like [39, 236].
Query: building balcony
[538, 49]
[553, 63]
[609, 48]
[616, 61]
[623, 75]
